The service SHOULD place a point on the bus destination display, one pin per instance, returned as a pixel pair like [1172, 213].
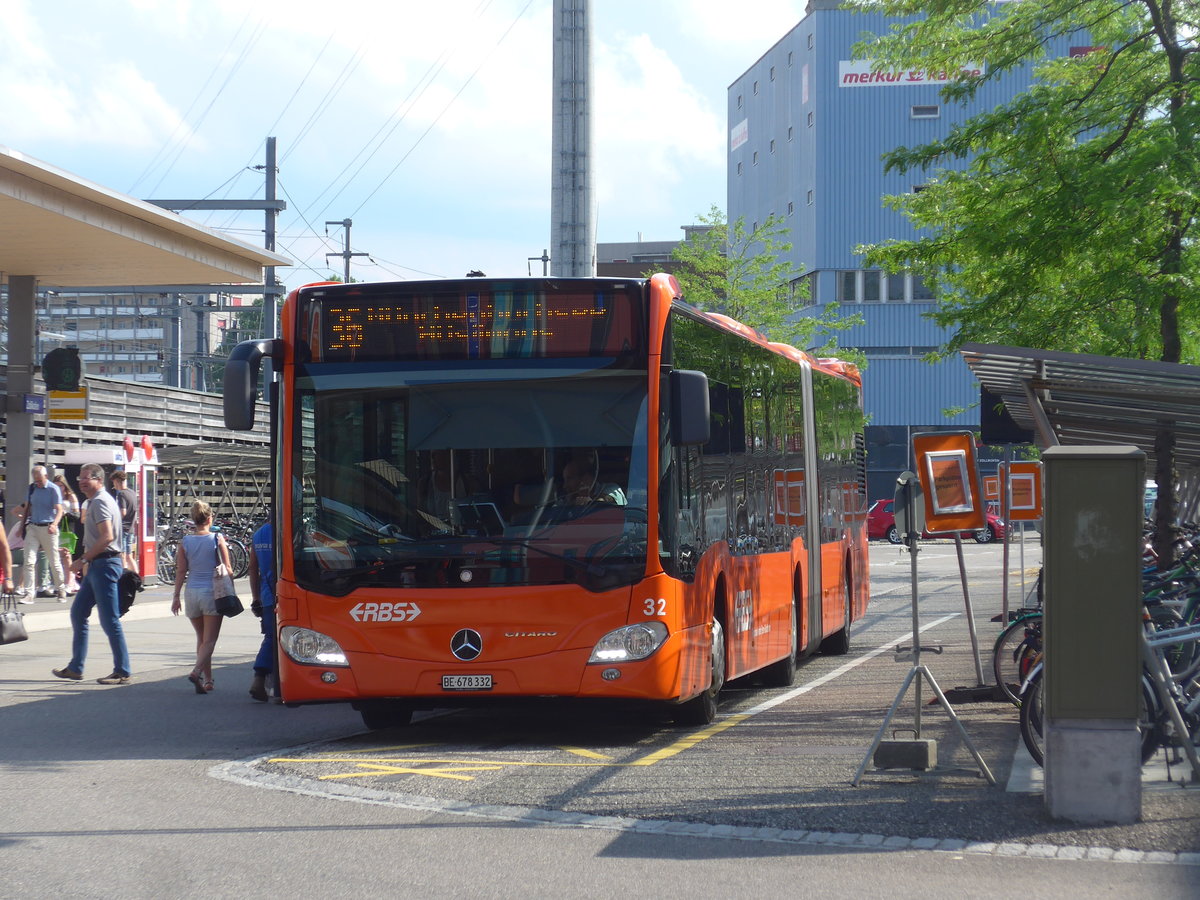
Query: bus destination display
[477, 326]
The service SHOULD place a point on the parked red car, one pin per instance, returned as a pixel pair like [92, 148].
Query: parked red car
[881, 523]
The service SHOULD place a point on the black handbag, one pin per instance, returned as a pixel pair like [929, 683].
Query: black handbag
[224, 598]
[12, 621]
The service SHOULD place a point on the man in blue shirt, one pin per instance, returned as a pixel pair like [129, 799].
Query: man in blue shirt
[262, 590]
[42, 514]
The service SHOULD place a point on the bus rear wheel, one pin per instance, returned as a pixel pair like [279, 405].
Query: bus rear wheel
[838, 643]
[380, 714]
[702, 709]
[783, 672]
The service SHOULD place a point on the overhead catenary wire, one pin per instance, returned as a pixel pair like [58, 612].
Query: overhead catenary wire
[245, 53]
[444, 110]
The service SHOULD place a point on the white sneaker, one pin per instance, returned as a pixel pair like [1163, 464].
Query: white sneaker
[24, 600]
[21, 592]
[62, 597]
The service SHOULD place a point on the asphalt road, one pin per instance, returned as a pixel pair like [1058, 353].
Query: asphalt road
[149, 790]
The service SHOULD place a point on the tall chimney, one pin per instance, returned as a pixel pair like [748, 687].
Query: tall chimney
[572, 199]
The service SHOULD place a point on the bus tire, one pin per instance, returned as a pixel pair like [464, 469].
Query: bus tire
[783, 672]
[838, 643]
[702, 709]
[380, 714]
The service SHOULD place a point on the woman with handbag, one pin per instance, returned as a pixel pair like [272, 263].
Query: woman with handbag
[68, 538]
[196, 561]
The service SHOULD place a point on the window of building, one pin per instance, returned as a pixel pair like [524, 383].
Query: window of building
[810, 118]
[791, 207]
[926, 112]
[810, 198]
[847, 287]
[789, 59]
[895, 288]
[772, 73]
[917, 188]
[739, 101]
[739, 168]
[920, 291]
[772, 145]
[871, 286]
[756, 88]
[810, 42]
[754, 159]
[789, 132]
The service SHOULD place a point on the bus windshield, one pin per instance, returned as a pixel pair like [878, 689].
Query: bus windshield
[451, 476]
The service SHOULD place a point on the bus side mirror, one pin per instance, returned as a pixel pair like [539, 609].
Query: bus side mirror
[689, 408]
[240, 384]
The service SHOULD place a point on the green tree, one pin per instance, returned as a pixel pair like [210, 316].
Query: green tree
[737, 271]
[1063, 218]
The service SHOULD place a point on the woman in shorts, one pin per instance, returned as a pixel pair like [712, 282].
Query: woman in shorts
[195, 561]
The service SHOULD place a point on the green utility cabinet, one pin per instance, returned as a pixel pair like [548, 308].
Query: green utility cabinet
[1092, 536]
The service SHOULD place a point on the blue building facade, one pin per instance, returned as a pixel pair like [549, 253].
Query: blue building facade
[808, 127]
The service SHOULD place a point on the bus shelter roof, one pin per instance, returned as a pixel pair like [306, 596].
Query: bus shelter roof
[1077, 398]
[65, 231]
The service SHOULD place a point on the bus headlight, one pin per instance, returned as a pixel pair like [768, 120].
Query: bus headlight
[311, 648]
[629, 643]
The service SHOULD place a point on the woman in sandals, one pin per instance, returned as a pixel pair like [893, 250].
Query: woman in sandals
[195, 560]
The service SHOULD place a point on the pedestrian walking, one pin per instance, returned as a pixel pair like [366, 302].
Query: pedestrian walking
[100, 567]
[16, 548]
[68, 539]
[262, 592]
[43, 512]
[6, 563]
[127, 501]
[195, 561]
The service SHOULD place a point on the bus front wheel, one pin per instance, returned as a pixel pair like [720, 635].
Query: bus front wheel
[702, 709]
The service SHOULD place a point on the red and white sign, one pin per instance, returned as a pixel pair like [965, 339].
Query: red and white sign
[738, 135]
[864, 73]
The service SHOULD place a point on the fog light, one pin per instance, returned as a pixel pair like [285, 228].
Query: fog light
[329, 677]
[610, 674]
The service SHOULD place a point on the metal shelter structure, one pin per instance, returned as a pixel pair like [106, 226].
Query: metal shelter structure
[233, 479]
[1077, 398]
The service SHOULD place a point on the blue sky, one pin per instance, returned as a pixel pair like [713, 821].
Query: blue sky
[428, 124]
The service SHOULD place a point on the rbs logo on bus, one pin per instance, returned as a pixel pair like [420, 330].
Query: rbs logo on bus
[385, 612]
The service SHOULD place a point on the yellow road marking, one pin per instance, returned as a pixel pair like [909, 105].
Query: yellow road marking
[397, 747]
[588, 754]
[690, 741]
[402, 770]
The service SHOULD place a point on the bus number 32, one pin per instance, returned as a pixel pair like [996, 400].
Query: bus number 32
[654, 607]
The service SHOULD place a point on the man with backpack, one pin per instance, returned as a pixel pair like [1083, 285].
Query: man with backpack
[127, 503]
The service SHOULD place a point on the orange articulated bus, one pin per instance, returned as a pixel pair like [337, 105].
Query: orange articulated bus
[543, 487]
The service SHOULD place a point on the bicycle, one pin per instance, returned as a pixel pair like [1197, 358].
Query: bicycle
[1169, 716]
[1018, 646]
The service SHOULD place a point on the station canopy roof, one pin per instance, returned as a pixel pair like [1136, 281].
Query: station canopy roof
[213, 457]
[67, 231]
[1080, 399]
